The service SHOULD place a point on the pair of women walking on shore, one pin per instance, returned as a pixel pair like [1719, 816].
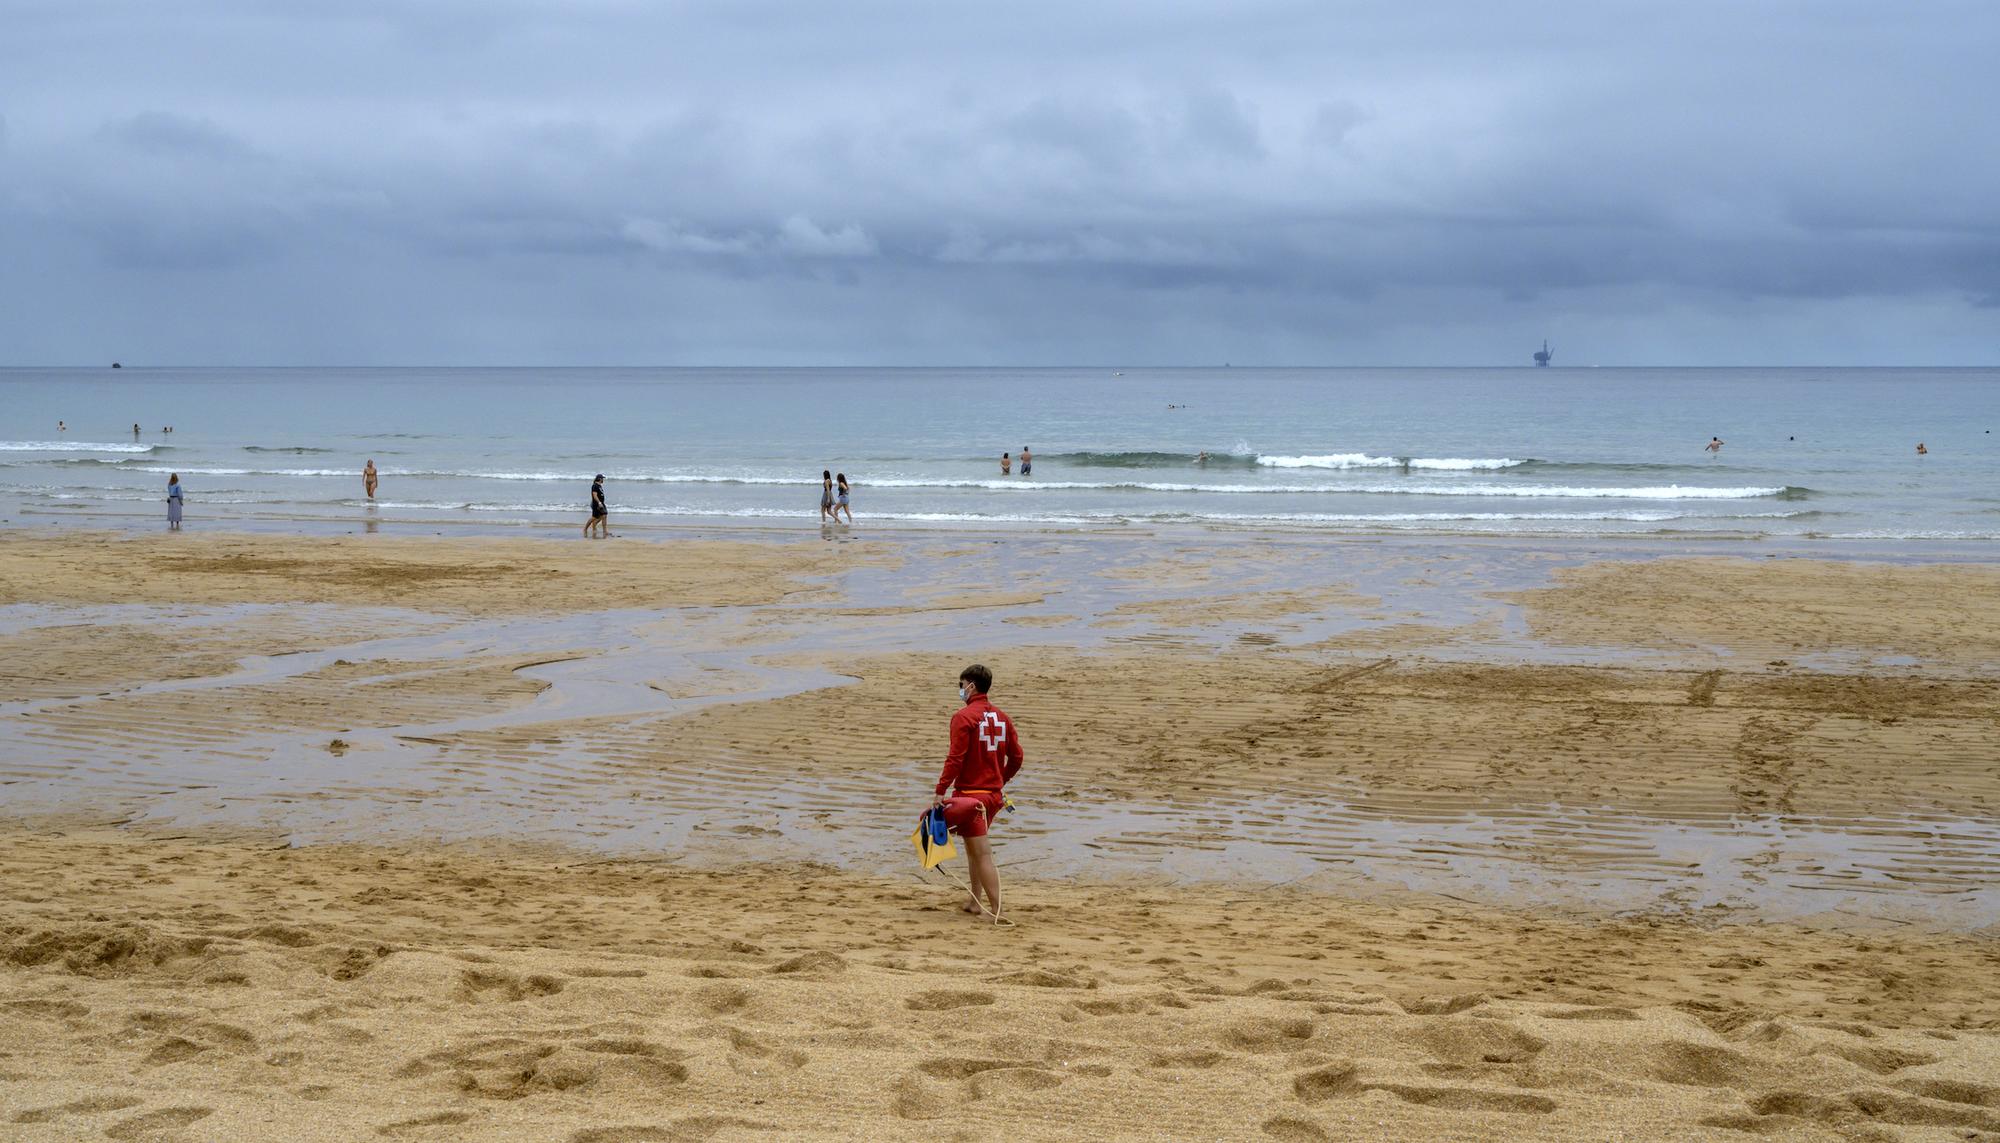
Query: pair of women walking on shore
[833, 491]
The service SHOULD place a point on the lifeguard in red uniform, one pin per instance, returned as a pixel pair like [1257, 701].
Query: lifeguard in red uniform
[985, 756]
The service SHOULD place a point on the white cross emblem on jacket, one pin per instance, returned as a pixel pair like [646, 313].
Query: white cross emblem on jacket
[992, 731]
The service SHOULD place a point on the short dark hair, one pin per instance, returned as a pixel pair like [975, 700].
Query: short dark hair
[980, 678]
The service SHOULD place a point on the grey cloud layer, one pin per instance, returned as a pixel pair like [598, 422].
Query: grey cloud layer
[1024, 182]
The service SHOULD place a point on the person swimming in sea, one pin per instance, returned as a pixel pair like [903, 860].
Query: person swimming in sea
[1921, 450]
[1714, 445]
[1006, 464]
[1027, 461]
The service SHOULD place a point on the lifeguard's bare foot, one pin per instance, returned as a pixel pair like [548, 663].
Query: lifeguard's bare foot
[971, 906]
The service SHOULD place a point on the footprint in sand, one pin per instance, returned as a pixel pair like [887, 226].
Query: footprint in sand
[1292, 1129]
[157, 1122]
[1256, 1035]
[943, 999]
[814, 964]
[1000, 1081]
[1441, 1005]
[984, 1079]
[1343, 1081]
[172, 1050]
[1469, 1099]
[1881, 1061]
[1704, 1065]
[1334, 1081]
[1592, 1014]
[508, 1068]
[715, 972]
[686, 1130]
[492, 985]
[916, 1099]
[1188, 1058]
[90, 1106]
[422, 1124]
[1041, 978]
[1876, 1106]
[1955, 1091]
[1468, 1041]
[722, 999]
[753, 1057]
[1123, 1006]
[958, 1068]
[48, 1009]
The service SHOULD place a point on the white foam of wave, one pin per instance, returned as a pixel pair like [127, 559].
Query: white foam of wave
[1913, 534]
[205, 471]
[71, 446]
[159, 497]
[1343, 460]
[1099, 516]
[1654, 492]
[1435, 517]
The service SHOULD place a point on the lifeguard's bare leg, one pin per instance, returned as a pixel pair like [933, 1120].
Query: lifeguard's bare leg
[981, 873]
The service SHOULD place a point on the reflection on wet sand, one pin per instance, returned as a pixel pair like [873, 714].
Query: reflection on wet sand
[1228, 738]
[539, 840]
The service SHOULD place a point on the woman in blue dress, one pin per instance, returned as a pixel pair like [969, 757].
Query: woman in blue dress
[174, 502]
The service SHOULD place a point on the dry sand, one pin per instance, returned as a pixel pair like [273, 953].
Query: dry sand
[542, 983]
[215, 990]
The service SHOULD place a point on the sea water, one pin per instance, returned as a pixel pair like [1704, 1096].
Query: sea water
[1806, 452]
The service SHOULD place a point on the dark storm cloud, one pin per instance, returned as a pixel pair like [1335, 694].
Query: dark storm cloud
[613, 180]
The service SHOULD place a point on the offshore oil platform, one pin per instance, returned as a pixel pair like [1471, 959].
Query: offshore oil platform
[1546, 355]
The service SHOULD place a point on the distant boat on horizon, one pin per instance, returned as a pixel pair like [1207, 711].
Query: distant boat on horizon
[1546, 355]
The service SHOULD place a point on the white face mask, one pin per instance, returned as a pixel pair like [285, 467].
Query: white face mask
[961, 694]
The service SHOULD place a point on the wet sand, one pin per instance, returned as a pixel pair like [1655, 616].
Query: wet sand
[532, 839]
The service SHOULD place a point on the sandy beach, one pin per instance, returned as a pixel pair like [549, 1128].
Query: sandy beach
[523, 838]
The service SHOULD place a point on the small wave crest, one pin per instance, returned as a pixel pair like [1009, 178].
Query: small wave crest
[1148, 459]
[1019, 486]
[1343, 460]
[73, 446]
[296, 450]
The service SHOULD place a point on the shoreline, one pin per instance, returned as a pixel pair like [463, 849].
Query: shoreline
[1940, 549]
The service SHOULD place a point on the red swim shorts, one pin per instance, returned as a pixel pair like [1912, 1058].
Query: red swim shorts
[961, 813]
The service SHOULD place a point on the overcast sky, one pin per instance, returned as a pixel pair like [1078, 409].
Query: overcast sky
[815, 182]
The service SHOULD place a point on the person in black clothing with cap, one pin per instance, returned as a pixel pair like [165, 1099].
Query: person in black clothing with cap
[598, 512]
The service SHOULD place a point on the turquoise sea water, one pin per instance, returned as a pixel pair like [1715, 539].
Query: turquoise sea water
[1808, 452]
